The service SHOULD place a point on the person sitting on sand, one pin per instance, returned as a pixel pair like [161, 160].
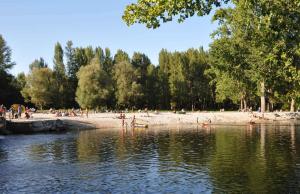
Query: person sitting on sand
[73, 114]
[58, 114]
[27, 116]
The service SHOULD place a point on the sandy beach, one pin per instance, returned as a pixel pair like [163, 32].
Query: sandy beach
[112, 120]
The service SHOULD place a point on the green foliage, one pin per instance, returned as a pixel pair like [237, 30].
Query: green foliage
[5, 56]
[141, 63]
[38, 63]
[62, 91]
[121, 56]
[9, 92]
[58, 61]
[182, 79]
[72, 66]
[40, 87]
[21, 80]
[153, 12]
[257, 43]
[128, 91]
[94, 86]
[163, 77]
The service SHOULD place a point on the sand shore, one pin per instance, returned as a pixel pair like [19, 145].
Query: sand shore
[111, 120]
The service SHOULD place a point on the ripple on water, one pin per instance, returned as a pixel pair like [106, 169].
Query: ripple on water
[222, 160]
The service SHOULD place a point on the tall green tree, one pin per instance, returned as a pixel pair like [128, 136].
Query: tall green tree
[9, 92]
[38, 63]
[141, 63]
[128, 91]
[40, 87]
[5, 56]
[60, 77]
[163, 77]
[89, 53]
[94, 86]
[152, 88]
[121, 56]
[199, 91]
[58, 61]
[21, 80]
[108, 61]
[72, 69]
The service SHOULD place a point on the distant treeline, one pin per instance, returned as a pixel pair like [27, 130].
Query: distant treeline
[94, 78]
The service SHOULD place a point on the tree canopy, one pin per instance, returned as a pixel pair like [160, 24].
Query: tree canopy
[153, 12]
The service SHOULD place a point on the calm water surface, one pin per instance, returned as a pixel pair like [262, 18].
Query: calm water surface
[258, 159]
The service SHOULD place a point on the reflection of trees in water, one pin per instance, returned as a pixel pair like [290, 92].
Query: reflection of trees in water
[245, 159]
[254, 161]
[57, 150]
[190, 148]
[95, 145]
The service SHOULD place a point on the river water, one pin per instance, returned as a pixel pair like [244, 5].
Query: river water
[236, 159]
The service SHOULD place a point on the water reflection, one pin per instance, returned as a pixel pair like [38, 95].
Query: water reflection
[247, 159]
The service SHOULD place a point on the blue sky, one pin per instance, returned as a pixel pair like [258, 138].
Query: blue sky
[32, 27]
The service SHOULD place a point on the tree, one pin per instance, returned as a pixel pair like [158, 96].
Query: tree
[81, 58]
[38, 63]
[268, 31]
[58, 61]
[21, 80]
[128, 91]
[271, 45]
[152, 87]
[141, 63]
[40, 87]
[72, 69]
[163, 77]
[89, 53]
[121, 56]
[199, 91]
[5, 56]
[60, 77]
[233, 77]
[9, 92]
[108, 64]
[153, 12]
[94, 86]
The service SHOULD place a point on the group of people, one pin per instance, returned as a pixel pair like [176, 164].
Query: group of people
[69, 113]
[15, 113]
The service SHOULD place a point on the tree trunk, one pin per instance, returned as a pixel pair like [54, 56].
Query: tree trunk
[242, 105]
[268, 106]
[271, 106]
[262, 97]
[245, 104]
[292, 105]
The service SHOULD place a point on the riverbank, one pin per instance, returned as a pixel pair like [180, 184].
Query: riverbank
[42, 122]
[112, 120]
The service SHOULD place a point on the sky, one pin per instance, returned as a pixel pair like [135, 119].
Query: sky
[32, 27]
